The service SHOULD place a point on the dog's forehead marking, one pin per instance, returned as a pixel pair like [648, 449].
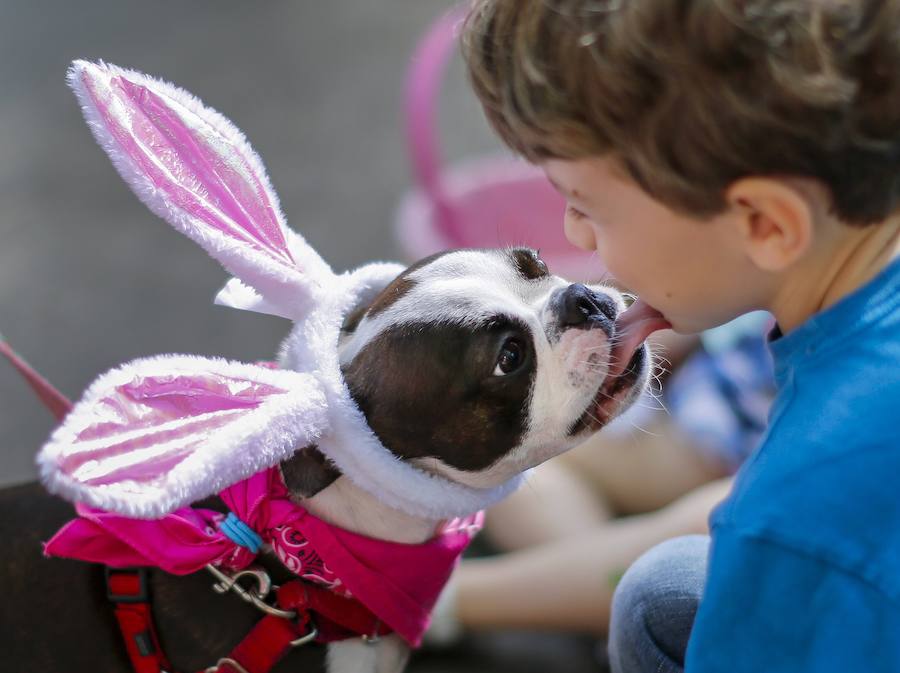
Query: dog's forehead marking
[402, 284]
[394, 292]
[462, 287]
[465, 263]
[489, 270]
[443, 265]
[470, 286]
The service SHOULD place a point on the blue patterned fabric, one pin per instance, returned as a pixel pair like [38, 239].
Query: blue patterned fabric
[720, 397]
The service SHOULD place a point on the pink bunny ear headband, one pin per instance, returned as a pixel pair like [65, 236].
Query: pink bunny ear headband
[157, 434]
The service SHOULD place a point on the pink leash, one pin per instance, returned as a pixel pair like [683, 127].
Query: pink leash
[58, 404]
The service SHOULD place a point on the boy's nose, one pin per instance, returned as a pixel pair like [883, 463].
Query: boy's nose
[581, 307]
[579, 234]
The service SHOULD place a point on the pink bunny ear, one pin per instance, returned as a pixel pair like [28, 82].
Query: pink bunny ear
[194, 168]
[160, 433]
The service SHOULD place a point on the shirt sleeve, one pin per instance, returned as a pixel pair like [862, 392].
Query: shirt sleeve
[769, 607]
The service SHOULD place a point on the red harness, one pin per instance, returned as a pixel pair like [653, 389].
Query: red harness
[318, 615]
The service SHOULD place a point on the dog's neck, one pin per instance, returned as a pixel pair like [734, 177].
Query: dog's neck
[347, 506]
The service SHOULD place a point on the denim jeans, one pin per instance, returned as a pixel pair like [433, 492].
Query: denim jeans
[654, 606]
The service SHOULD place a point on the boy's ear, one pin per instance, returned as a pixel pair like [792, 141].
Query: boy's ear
[775, 221]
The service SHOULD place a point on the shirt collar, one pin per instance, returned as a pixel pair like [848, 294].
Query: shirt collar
[831, 328]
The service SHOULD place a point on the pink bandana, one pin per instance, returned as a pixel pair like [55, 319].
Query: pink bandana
[399, 583]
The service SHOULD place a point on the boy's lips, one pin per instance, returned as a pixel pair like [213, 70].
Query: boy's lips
[633, 326]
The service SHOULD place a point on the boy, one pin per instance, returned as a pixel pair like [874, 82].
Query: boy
[724, 156]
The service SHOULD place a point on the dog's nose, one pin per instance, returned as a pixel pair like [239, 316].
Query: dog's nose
[580, 306]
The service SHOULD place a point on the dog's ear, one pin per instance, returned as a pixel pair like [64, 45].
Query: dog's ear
[308, 471]
[351, 322]
[370, 283]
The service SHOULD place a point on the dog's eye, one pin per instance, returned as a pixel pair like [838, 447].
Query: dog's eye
[511, 357]
[529, 264]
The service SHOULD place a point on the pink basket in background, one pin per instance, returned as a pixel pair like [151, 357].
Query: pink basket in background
[485, 202]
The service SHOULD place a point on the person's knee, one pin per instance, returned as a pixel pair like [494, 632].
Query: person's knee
[654, 605]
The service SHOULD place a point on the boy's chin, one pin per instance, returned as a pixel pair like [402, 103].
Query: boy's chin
[693, 324]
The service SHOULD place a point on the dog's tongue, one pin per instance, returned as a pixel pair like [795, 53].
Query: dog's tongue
[633, 326]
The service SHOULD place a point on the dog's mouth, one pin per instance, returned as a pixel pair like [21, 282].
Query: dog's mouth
[628, 363]
[615, 389]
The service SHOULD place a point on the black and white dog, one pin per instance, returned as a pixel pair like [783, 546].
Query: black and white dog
[403, 400]
[475, 365]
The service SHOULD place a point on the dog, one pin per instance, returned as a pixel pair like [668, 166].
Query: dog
[475, 365]
[403, 399]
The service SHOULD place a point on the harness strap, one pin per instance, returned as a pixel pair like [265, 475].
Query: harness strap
[263, 647]
[127, 589]
[336, 617]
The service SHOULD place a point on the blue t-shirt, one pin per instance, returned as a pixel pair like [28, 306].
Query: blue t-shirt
[804, 570]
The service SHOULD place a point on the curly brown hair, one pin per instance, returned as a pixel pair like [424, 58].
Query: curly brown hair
[690, 95]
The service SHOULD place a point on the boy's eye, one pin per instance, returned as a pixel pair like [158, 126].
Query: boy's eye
[574, 213]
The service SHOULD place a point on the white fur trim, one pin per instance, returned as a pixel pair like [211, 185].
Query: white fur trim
[244, 298]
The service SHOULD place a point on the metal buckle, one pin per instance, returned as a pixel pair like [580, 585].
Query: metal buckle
[143, 594]
[310, 636]
[374, 638]
[256, 598]
[230, 662]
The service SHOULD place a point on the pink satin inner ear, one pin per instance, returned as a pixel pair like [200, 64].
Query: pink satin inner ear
[143, 428]
[147, 470]
[193, 394]
[198, 169]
